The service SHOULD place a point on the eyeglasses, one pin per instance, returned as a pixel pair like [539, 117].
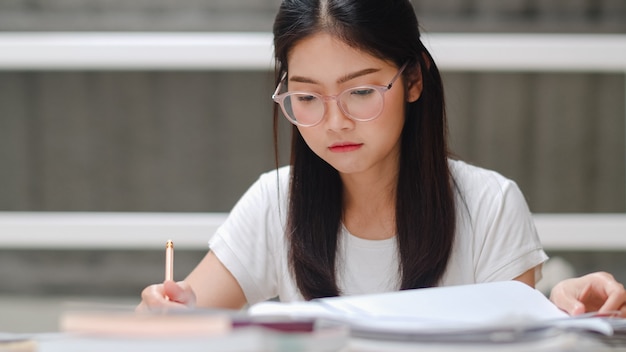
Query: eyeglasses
[307, 109]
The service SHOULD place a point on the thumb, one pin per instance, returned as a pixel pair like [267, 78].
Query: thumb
[577, 308]
[179, 292]
[570, 304]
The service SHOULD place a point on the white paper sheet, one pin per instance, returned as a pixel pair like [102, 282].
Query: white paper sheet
[487, 307]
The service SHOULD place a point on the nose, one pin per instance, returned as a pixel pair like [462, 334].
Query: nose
[335, 118]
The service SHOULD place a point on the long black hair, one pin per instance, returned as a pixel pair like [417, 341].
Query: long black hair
[425, 209]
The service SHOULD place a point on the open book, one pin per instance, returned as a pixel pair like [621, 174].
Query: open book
[510, 309]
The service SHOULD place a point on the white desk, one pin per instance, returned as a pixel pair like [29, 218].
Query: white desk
[259, 341]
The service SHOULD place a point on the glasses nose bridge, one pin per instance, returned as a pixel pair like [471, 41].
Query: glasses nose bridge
[337, 98]
[327, 98]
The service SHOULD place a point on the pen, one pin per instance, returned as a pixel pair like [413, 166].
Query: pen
[169, 260]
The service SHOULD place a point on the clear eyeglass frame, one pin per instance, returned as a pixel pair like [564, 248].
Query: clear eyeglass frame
[339, 98]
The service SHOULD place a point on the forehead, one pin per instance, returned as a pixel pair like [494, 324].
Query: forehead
[324, 52]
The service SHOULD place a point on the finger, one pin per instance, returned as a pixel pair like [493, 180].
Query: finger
[574, 307]
[152, 298]
[179, 292]
[152, 294]
[622, 311]
[567, 301]
[142, 307]
[616, 299]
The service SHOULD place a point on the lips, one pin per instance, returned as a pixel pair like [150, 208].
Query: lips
[345, 147]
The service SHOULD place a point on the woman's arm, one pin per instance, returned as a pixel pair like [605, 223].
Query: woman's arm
[214, 285]
[528, 278]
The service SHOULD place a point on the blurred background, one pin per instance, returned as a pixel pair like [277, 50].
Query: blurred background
[193, 141]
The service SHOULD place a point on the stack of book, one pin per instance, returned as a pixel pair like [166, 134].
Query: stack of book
[482, 317]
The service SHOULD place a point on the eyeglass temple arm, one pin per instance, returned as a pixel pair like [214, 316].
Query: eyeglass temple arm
[393, 80]
[280, 84]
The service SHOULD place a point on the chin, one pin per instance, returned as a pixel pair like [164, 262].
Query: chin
[348, 169]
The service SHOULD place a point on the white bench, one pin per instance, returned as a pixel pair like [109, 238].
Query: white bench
[150, 231]
[253, 51]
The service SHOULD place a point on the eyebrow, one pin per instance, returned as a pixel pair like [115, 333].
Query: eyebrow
[342, 79]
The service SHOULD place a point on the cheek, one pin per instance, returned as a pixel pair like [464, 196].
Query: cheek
[309, 136]
[394, 113]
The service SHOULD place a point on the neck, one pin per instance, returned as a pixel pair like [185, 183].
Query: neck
[369, 204]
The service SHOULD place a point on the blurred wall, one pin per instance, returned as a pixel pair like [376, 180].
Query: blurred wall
[194, 141]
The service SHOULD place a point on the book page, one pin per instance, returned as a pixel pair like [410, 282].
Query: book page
[497, 305]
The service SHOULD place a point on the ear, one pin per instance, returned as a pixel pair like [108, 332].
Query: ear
[414, 84]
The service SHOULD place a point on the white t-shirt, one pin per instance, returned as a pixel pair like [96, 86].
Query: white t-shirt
[495, 240]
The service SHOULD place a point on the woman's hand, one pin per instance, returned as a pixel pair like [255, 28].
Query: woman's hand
[168, 295]
[595, 292]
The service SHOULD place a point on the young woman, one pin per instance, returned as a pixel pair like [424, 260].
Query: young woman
[371, 200]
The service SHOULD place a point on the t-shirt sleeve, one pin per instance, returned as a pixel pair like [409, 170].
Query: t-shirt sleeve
[245, 242]
[509, 245]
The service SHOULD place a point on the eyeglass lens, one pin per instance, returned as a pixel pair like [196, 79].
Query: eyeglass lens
[360, 103]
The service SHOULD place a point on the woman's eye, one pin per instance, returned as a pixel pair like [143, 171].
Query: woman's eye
[306, 98]
[362, 91]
